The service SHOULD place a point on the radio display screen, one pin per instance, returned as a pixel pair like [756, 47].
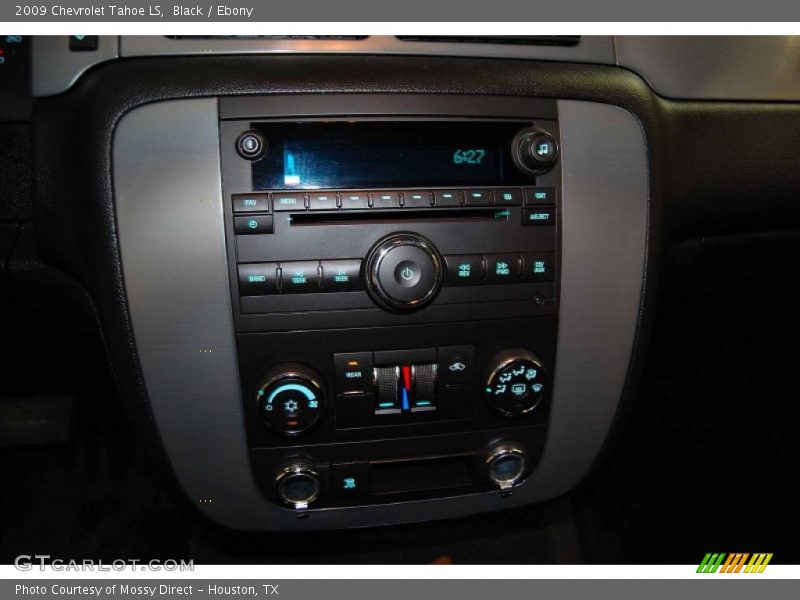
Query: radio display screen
[380, 154]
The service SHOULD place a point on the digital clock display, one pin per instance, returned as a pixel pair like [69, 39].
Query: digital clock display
[380, 154]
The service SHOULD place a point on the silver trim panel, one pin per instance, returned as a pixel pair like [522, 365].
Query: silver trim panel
[170, 222]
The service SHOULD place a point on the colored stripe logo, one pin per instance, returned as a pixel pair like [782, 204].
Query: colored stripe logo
[734, 563]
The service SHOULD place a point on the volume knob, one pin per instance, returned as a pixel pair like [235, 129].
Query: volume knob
[404, 271]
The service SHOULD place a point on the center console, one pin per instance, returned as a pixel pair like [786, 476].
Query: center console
[356, 309]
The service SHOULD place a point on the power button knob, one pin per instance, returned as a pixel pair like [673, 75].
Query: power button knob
[404, 271]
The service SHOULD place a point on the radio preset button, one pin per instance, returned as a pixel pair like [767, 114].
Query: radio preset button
[502, 268]
[354, 200]
[258, 279]
[385, 199]
[539, 216]
[417, 199]
[540, 196]
[478, 197]
[538, 267]
[253, 224]
[284, 201]
[464, 269]
[322, 201]
[247, 203]
[508, 197]
[448, 198]
[300, 277]
[341, 275]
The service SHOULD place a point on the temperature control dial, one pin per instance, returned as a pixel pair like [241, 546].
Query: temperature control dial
[290, 399]
[516, 384]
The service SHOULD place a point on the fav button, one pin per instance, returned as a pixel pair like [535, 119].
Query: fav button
[299, 277]
[247, 203]
[341, 275]
[353, 372]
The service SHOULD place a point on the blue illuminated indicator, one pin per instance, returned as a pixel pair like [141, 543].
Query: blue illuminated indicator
[404, 394]
[252, 224]
[290, 176]
[349, 483]
[471, 156]
[291, 387]
[256, 278]
[423, 402]
[386, 404]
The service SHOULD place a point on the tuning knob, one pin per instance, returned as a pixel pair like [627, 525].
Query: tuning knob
[516, 383]
[290, 399]
[534, 151]
[404, 271]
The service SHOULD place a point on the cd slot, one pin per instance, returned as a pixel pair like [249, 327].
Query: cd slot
[400, 215]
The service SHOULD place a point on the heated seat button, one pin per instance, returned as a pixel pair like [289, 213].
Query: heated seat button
[258, 279]
[349, 480]
[538, 267]
[253, 224]
[502, 268]
[353, 372]
[456, 365]
[539, 216]
[300, 277]
[341, 275]
[464, 269]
